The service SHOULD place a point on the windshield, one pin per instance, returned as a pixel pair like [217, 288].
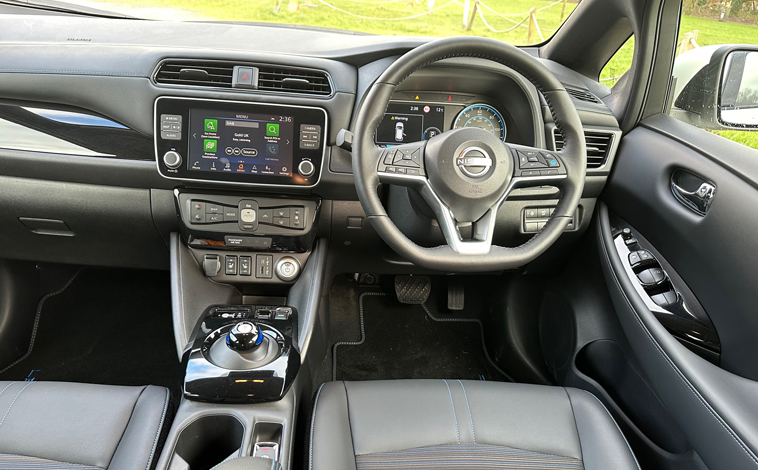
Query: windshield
[519, 22]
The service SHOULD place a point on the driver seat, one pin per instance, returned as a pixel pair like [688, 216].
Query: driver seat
[454, 424]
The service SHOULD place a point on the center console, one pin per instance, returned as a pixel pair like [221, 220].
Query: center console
[245, 263]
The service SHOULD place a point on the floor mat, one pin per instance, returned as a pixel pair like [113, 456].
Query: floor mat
[411, 342]
[108, 327]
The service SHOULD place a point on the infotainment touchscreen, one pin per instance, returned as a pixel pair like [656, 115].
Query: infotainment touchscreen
[239, 142]
[243, 143]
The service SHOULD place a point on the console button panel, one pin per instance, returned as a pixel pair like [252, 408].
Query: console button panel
[247, 222]
[535, 218]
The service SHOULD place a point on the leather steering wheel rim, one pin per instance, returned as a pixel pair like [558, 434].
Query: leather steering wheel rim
[365, 155]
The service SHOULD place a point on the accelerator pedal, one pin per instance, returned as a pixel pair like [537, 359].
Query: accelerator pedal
[412, 290]
[455, 295]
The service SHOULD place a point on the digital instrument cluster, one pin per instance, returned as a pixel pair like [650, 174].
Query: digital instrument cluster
[413, 122]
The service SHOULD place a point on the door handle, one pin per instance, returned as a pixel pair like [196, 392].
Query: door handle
[700, 198]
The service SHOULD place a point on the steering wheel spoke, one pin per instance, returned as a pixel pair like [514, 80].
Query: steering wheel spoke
[536, 167]
[465, 238]
[402, 165]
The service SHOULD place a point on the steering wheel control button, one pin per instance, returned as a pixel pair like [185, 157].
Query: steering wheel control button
[172, 159]
[287, 269]
[551, 160]
[306, 168]
[474, 162]
[248, 215]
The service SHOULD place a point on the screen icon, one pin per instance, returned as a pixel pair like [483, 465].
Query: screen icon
[209, 145]
[272, 130]
[272, 150]
[211, 125]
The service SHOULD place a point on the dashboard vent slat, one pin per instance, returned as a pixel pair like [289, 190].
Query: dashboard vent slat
[176, 72]
[293, 80]
[582, 95]
[598, 146]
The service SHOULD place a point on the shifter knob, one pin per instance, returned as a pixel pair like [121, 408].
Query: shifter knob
[244, 336]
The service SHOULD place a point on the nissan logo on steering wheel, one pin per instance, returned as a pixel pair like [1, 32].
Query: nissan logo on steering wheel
[474, 162]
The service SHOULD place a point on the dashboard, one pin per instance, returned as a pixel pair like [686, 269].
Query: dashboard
[101, 136]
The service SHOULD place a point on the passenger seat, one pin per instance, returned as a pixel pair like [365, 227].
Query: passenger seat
[52, 425]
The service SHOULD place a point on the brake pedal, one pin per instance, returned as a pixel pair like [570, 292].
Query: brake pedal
[455, 295]
[412, 290]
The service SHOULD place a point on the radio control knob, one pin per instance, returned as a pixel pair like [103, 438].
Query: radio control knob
[172, 159]
[306, 168]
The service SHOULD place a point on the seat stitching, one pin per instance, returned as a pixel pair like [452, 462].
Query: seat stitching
[457, 433]
[158, 431]
[13, 402]
[670, 362]
[313, 423]
[470, 418]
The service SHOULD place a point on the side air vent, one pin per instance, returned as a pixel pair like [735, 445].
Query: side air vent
[598, 145]
[293, 80]
[582, 95]
[195, 73]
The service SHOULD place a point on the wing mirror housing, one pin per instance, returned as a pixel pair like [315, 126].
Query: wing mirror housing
[723, 94]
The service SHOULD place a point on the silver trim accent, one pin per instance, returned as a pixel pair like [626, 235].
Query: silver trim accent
[484, 228]
[262, 185]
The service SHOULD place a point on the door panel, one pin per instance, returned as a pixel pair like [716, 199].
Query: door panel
[715, 255]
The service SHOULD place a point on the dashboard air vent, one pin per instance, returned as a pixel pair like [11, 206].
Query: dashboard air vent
[195, 73]
[598, 146]
[293, 80]
[582, 95]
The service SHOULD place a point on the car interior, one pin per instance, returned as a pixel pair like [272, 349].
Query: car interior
[240, 246]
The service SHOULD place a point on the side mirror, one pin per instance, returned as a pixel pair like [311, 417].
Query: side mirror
[723, 94]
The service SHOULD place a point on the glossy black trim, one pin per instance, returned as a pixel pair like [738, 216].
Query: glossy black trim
[204, 381]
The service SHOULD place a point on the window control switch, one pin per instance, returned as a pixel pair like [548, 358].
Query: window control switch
[651, 277]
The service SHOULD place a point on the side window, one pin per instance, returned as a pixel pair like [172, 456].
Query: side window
[619, 64]
[715, 85]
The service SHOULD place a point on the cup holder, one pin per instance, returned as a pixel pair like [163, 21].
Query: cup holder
[207, 442]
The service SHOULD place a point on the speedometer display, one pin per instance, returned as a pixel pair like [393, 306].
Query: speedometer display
[484, 117]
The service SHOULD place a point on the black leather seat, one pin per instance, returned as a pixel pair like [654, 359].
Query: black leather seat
[54, 425]
[452, 424]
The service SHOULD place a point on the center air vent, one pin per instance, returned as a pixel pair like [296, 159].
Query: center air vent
[582, 95]
[293, 80]
[598, 146]
[195, 73]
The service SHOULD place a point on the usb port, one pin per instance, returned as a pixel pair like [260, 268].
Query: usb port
[263, 314]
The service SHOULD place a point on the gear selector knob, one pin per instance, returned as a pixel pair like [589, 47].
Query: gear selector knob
[244, 336]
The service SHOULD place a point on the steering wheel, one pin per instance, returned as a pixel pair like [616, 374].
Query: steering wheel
[466, 174]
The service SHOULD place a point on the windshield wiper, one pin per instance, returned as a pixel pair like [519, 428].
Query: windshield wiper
[62, 7]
